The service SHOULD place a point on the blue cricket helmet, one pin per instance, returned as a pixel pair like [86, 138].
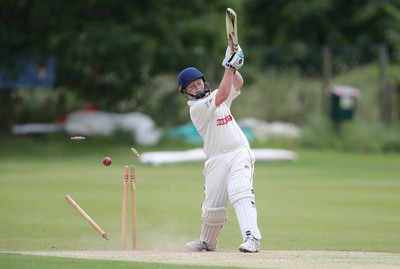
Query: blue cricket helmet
[187, 75]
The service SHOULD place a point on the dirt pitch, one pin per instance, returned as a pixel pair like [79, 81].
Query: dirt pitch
[264, 259]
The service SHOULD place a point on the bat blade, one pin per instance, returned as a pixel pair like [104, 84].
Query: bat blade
[231, 29]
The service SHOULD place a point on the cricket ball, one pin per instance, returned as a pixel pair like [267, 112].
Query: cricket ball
[107, 161]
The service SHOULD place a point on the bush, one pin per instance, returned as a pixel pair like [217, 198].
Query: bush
[319, 132]
[43, 105]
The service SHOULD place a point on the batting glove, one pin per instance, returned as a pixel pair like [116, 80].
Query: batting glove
[233, 60]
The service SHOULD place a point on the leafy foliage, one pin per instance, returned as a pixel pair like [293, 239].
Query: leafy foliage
[303, 25]
[125, 55]
[106, 49]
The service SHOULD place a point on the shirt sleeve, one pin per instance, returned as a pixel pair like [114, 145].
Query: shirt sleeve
[232, 95]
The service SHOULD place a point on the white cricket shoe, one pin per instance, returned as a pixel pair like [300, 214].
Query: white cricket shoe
[198, 245]
[250, 245]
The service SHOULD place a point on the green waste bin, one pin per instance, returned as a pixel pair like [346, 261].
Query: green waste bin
[343, 101]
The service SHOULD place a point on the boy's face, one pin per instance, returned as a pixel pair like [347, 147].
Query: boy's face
[195, 87]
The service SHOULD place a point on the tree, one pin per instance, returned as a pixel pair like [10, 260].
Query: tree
[105, 50]
[305, 24]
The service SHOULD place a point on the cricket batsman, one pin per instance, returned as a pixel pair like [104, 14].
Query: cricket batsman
[229, 167]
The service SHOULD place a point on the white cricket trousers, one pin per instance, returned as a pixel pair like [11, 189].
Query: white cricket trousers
[229, 175]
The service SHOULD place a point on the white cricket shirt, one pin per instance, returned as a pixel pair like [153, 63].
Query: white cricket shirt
[216, 125]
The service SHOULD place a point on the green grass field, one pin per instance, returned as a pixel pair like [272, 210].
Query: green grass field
[324, 201]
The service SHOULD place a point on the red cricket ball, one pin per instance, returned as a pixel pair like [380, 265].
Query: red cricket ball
[107, 161]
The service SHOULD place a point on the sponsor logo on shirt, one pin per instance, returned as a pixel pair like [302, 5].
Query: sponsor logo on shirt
[208, 102]
[224, 120]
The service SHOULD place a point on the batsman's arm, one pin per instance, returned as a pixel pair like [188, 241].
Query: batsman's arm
[238, 81]
[224, 86]
[229, 78]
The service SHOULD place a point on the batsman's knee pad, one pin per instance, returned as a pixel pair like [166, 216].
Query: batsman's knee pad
[239, 188]
[214, 216]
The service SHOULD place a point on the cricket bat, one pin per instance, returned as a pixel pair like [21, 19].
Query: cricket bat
[231, 29]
